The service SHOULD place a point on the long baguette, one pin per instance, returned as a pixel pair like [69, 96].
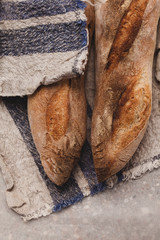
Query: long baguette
[57, 116]
[125, 41]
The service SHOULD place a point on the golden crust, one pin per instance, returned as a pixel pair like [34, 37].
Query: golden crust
[57, 114]
[127, 31]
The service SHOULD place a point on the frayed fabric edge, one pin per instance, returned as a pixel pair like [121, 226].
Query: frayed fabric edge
[45, 211]
[133, 174]
[139, 171]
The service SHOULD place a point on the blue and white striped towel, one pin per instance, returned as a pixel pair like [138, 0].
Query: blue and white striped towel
[29, 192]
[41, 42]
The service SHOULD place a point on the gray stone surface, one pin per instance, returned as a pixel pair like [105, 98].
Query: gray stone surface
[130, 211]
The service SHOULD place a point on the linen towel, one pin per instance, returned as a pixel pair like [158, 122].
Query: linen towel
[41, 42]
[29, 192]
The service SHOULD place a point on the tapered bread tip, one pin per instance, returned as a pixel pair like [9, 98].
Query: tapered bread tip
[58, 168]
[112, 164]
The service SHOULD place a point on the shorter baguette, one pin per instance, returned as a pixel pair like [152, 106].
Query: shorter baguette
[57, 116]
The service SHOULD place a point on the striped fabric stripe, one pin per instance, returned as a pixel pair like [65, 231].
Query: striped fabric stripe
[82, 181]
[37, 8]
[43, 39]
[45, 20]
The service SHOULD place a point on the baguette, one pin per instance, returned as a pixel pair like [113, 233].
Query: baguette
[125, 37]
[57, 117]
